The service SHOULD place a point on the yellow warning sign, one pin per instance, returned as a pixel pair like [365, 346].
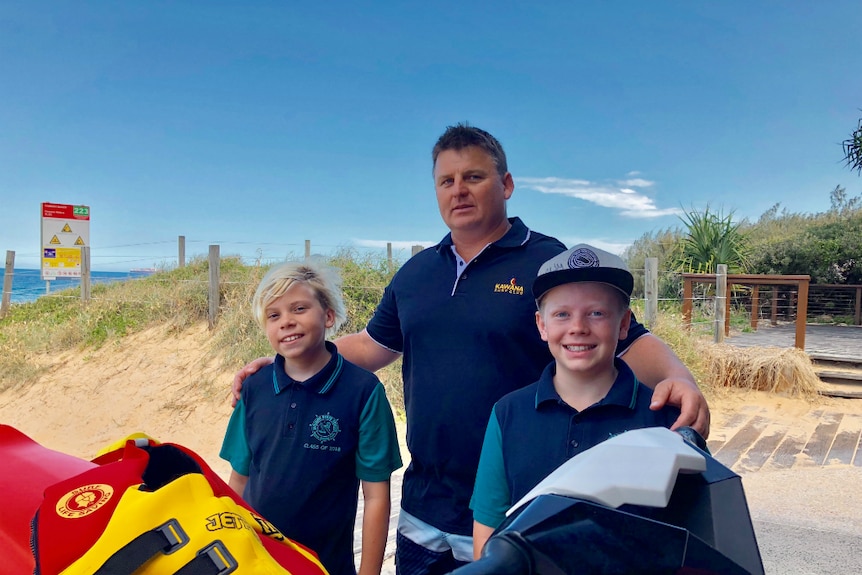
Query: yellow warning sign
[55, 241]
[79, 241]
[66, 229]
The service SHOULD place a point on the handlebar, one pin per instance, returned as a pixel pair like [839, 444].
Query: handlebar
[503, 554]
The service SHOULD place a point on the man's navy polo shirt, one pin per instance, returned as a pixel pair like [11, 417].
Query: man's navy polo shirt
[468, 338]
[305, 447]
[532, 431]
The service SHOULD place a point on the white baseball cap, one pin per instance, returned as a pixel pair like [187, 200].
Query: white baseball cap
[584, 263]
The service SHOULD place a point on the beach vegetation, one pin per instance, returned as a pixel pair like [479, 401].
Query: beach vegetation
[853, 149]
[35, 334]
[177, 299]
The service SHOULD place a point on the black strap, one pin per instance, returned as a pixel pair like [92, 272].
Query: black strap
[214, 559]
[164, 539]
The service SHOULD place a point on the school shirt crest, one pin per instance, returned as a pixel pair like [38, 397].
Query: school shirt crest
[324, 428]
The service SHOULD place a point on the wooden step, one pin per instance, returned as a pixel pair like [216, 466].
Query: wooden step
[840, 375]
[843, 390]
[833, 360]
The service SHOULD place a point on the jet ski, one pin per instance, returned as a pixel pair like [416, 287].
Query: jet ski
[645, 501]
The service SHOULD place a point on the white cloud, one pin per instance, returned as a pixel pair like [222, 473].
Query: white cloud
[627, 201]
[637, 183]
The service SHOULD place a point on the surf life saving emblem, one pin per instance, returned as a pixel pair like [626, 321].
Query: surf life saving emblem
[84, 500]
[324, 428]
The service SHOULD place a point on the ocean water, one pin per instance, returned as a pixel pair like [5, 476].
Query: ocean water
[28, 285]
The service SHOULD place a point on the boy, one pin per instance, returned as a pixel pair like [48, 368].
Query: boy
[583, 397]
[311, 426]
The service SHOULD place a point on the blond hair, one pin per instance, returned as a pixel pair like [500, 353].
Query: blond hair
[322, 279]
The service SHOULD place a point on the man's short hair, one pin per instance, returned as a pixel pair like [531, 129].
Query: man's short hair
[462, 136]
[323, 280]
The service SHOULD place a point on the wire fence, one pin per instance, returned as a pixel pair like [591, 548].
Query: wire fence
[836, 304]
[165, 254]
[827, 303]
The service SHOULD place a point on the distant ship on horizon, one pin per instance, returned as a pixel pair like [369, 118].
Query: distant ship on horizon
[143, 270]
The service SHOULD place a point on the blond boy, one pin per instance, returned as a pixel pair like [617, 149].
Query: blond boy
[311, 427]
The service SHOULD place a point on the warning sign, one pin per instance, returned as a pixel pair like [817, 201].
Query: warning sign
[65, 230]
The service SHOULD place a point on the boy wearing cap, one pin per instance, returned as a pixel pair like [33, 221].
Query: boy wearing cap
[583, 397]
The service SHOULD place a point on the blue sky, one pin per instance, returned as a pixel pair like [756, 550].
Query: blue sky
[259, 125]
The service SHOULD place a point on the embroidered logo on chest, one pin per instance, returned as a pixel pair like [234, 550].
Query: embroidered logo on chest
[324, 428]
[510, 287]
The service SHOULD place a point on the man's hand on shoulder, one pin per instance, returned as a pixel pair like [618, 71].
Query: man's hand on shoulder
[250, 368]
[694, 411]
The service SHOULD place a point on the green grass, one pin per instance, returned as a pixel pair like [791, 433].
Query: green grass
[684, 342]
[177, 298]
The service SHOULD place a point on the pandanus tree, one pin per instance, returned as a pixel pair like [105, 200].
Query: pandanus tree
[712, 238]
[853, 149]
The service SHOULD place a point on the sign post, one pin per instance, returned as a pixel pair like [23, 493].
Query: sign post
[65, 230]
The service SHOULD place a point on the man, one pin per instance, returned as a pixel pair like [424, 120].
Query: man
[462, 316]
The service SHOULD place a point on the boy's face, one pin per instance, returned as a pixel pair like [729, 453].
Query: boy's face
[582, 323]
[296, 324]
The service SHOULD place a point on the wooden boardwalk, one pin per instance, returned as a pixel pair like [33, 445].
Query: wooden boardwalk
[830, 340]
[754, 438]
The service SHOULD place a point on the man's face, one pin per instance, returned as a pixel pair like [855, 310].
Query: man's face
[471, 194]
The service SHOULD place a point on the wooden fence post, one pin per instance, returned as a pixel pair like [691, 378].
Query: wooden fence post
[214, 263]
[389, 254]
[415, 250]
[801, 314]
[85, 274]
[857, 316]
[651, 291]
[307, 249]
[755, 305]
[773, 318]
[7, 283]
[720, 301]
[181, 251]
[687, 300]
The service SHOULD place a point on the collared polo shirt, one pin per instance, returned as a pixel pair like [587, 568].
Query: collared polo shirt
[306, 445]
[468, 336]
[532, 431]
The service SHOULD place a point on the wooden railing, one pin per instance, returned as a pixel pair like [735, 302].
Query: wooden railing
[852, 303]
[755, 281]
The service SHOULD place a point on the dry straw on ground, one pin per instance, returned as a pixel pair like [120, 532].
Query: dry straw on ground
[787, 371]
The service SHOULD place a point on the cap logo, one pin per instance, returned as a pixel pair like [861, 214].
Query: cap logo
[583, 258]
